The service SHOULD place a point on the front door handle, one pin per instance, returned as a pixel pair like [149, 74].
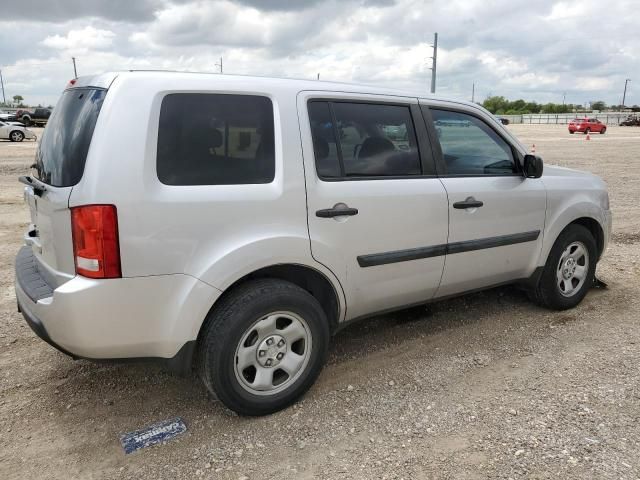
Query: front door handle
[468, 203]
[336, 212]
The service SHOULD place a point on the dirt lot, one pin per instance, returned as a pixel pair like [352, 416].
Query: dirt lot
[485, 386]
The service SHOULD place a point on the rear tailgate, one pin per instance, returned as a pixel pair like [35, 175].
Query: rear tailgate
[60, 161]
[50, 233]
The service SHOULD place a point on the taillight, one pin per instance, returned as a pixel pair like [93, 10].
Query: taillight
[96, 249]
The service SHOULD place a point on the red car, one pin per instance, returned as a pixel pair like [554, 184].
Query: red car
[586, 125]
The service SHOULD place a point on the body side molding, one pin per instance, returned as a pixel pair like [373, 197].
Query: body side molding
[396, 256]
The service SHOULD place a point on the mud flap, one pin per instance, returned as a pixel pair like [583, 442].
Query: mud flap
[597, 283]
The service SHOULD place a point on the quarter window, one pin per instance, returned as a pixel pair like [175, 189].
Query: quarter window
[215, 139]
[470, 147]
[363, 140]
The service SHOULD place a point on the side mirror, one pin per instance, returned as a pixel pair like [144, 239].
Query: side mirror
[532, 166]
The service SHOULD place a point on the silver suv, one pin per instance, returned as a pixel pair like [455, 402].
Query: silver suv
[233, 224]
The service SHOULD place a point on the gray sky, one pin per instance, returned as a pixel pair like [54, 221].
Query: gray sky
[517, 48]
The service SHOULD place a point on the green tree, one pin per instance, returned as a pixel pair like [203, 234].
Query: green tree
[18, 98]
[495, 104]
[598, 105]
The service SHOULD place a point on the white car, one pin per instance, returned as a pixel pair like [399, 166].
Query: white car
[15, 132]
[235, 223]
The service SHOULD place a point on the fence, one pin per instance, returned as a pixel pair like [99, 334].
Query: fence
[612, 118]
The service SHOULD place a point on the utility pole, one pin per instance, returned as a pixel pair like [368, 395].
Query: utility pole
[4, 100]
[318, 76]
[75, 71]
[220, 65]
[624, 95]
[473, 92]
[564, 95]
[434, 62]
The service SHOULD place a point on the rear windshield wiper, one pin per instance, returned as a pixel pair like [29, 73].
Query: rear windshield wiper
[38, 187]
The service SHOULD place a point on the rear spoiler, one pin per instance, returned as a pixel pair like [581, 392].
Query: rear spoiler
[103, 80]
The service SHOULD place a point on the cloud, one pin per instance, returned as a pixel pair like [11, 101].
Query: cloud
[88, 38]
[516, 48]
[54, 11]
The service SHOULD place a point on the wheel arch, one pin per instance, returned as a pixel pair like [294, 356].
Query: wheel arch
[589, 222]
[14, 131]
[312, 280]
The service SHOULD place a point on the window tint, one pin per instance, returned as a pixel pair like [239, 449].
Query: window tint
[325, 146]
[62, 152]
[212, 139]
[471, 147]
[374, 140]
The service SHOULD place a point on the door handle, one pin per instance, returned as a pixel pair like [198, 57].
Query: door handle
[336, 212]
[468, 203]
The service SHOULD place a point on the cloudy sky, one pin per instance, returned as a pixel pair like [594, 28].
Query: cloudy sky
[535, 50]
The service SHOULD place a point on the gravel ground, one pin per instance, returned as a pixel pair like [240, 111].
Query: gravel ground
[483, 386]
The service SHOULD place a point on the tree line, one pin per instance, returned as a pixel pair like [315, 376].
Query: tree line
[499, 105]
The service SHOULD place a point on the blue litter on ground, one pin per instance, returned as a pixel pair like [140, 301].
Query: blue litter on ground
[153, 434]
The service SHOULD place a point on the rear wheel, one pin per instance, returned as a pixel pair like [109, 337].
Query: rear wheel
[586, 130]
[603, 130]
[263, 346]
[26, 120]
[571, 132]
[16, 136]
[569, 271]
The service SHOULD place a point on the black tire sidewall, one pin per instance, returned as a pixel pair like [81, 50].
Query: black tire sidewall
[548, 287]
[220, 352]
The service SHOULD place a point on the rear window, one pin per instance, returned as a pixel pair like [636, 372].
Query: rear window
[62, 153]
[215, 139]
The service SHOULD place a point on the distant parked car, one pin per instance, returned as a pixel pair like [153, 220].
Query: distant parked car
[502, 120]
[39, 116]
[7, 116]
[631, 121]
[15, 133]
[586, 125]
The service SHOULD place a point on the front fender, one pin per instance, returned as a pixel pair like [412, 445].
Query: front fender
[565, 213]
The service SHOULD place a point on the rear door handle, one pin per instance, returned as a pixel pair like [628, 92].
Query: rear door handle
[336, 212]
[468, 203]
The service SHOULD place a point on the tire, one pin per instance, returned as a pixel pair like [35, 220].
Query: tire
[586, 130]
[16, 136]
[571, 132]
[26, 121]
[233, 326]
[549, 290]
[602, 131]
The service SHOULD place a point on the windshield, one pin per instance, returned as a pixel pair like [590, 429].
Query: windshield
[65, 142]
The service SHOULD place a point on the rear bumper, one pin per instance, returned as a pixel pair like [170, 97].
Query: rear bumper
[126, 318]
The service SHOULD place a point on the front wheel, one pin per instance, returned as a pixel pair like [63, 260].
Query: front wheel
[263, 346]
[16, 136]
[602, 131]
[568, 274]
[586, 131]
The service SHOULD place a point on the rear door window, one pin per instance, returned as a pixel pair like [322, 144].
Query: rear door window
[215, 139]
[363, 140]
[62, 153]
